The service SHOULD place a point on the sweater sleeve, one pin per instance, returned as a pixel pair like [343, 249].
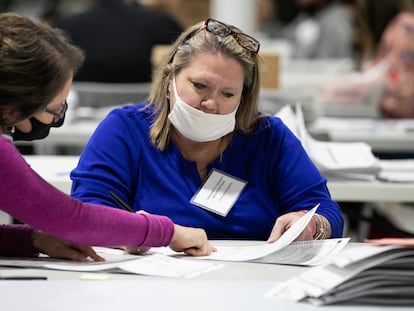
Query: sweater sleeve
[30, 199]
[16, 241]
[298, 181]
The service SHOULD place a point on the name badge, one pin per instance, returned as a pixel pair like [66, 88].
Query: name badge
[219, 192]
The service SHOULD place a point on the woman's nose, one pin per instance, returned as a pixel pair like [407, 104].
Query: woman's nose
[209, 105]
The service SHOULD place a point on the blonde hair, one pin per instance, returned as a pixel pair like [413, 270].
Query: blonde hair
[194, 42]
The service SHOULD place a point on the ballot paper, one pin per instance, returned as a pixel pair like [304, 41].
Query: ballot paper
[282, 251]
[117, 261]
[230, 253]
[367, 273]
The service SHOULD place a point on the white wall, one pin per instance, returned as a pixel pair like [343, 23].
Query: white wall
[240, 13]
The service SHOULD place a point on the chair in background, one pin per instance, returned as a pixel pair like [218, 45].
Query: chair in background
[97, 94]
[94, 99]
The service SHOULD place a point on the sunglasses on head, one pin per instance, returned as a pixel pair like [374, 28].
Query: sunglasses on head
[222, 30]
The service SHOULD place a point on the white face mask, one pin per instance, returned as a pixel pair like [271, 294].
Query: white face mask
[197, 125]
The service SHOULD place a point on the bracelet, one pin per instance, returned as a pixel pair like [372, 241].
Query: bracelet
[313, 223]
[321, 228]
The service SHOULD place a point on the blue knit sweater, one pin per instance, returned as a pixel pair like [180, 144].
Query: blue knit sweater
[280, 176]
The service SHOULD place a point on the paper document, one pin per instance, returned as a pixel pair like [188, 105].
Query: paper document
[397, 170]
[331, 157]
[366, 273]
[336, 156]
[231, 253]
[306, 253]
[302, 253]
[283, 251]
[119, 262]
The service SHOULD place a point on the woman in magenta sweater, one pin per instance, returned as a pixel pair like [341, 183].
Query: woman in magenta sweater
[37, 64]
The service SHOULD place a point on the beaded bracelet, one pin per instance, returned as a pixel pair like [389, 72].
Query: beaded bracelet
[313, 223]
[321, 228]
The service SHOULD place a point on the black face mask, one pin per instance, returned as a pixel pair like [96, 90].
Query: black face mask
[39, 130]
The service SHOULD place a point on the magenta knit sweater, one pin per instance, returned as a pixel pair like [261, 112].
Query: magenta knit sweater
[30, 199]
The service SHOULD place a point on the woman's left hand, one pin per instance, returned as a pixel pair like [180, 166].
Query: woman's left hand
[284, 222]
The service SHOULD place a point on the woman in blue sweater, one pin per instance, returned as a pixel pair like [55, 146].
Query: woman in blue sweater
[199, 151]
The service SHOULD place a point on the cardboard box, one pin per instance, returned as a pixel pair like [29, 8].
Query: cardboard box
[186, 12]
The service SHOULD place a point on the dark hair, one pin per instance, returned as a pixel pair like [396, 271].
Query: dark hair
[35, 63]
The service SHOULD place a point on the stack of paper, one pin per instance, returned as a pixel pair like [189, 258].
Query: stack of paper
[342, 159]
[398, 170]
[367, 274]
[282, 251]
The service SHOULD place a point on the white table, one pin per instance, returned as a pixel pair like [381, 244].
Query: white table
[370, 191]
[236, 286]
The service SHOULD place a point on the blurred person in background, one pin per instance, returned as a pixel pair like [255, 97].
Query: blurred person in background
[316, 28]
[384, 50]
[117, 37]
[371, 18]
[36, 9]
[385, 35]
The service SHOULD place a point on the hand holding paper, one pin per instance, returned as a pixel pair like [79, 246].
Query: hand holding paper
[284, 222]
[257, 251]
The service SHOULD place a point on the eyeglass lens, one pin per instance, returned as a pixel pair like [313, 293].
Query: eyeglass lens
[222, 30]
[59, 113]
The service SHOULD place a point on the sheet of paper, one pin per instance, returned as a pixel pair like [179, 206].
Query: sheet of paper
[397, 170]
[240, 253]
[330, 156]
[160, 265]
[342, 156]
[306, 253]
[118, 261]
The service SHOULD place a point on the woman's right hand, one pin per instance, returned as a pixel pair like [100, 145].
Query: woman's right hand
[57, 248]
[192, 241]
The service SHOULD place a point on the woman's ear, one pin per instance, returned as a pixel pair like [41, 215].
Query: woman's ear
[170, 89]
[24, 126]
[8, 116]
